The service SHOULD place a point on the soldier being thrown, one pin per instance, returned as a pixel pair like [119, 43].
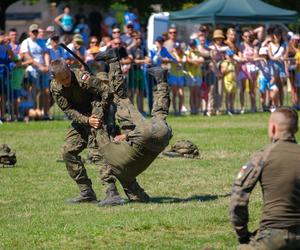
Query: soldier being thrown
[277, 168]
[130, 153]
[74, 91]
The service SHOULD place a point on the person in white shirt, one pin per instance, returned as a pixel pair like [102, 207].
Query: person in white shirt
[35, 50]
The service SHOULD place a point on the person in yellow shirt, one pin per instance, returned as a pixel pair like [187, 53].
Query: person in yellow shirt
[194, 75]
[228, 69]
[297, 59]
[176, 77]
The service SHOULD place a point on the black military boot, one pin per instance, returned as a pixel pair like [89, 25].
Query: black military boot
[135, 193]
[87, 196]
[159, 74]
[109, 56]
[112, 197]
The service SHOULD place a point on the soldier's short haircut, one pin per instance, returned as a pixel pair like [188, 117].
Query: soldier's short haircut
[59, 66]
[291, 117]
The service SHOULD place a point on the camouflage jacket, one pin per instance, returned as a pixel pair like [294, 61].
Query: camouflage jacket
[77, 101]
[276, 167]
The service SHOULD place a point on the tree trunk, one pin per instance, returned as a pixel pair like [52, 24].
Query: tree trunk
[4, 4]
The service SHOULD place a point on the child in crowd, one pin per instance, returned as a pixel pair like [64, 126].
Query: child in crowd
[176, 77]
[277, 54]
[248, 53]
[194, 76]
[228, 69]
[204, 97]
[266, 79]
[297, 72]
[27, 108]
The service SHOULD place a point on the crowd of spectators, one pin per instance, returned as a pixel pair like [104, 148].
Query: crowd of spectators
[212, 64]
[223, 62]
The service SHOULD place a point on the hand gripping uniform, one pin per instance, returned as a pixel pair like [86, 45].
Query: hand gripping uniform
[145, 139]
[76, 101]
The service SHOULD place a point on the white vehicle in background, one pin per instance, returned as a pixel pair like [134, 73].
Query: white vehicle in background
[158, 23]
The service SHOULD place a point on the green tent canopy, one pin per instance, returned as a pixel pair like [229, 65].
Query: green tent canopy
[234, 12]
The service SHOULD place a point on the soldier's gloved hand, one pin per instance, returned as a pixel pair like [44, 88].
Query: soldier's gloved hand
[94, 121]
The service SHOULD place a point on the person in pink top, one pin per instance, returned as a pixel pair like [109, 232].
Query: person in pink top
[248, 71]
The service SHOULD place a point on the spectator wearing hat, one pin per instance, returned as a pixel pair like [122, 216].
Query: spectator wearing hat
[215, 89]
[176, 78]
[194, 76]
[228, 69]
[127, 38]
[35, 52]
[266, 80]
[77, 47]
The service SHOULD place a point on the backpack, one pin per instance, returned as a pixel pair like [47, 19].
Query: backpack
[7, 156]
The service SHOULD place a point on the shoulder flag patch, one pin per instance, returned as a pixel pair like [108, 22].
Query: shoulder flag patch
[85, 77]
[243, 171]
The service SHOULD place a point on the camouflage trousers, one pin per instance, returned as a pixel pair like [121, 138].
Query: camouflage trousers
[127, 159]
[77, 139]
[273, 239]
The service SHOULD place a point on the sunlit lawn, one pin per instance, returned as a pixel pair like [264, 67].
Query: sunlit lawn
[189, 206]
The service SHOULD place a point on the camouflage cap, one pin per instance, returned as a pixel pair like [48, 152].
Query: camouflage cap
[7, 156]
[183, 148]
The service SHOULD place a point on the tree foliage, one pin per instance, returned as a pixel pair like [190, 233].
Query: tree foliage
[144, 6]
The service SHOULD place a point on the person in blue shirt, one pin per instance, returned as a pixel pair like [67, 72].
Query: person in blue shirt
[6, 56]
[159, 56]
[55, 51]
[130, 16]
[65, 21]
[83, 29]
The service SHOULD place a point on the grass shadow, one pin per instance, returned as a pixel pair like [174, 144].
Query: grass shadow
[200, 198]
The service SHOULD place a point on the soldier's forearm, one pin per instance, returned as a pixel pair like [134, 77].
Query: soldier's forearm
[77, 117]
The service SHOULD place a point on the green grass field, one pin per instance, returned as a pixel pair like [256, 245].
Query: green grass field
[189, 206]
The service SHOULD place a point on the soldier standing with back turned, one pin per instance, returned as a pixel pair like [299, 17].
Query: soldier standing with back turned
[277, 168]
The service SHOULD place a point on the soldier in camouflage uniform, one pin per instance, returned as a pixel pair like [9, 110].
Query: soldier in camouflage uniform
[277, 168]
[131, 152]
[75, 91]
